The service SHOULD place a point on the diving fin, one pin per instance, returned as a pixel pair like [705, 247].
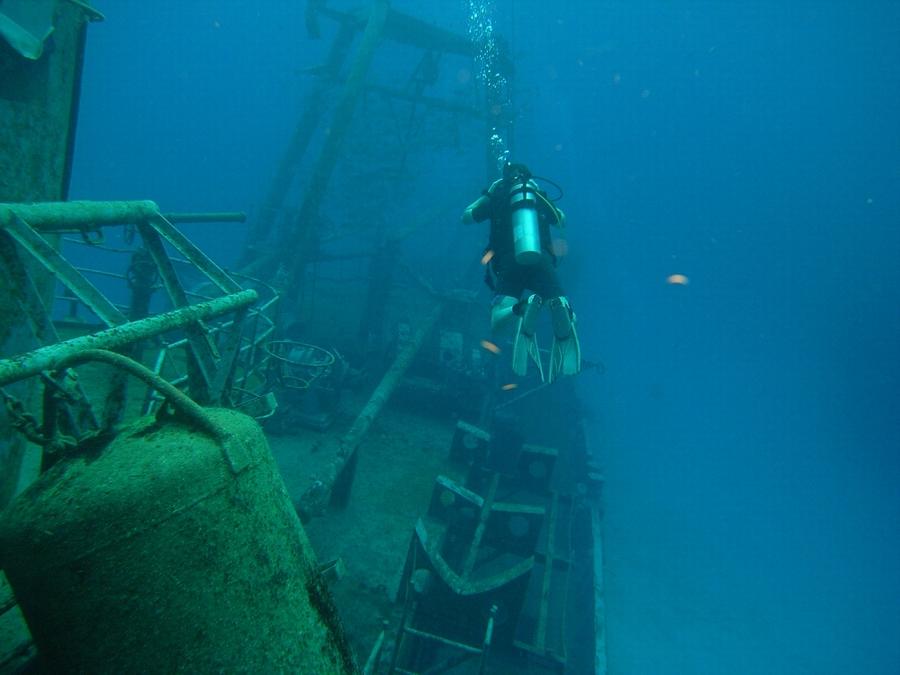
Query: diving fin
[503, 312]
[565, 354]
[525, 343]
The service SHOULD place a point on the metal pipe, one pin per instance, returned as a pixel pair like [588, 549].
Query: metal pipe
[387, 385]
[441, 104]
[54, 216]
[224, 217]
[488, 638]
[407, 29]
[47, 358]
[100, 273]
[313, 501]
[200, 359]
[179, 400]
[189, 250]
[444, 641]
[374, 655]
[235, 454]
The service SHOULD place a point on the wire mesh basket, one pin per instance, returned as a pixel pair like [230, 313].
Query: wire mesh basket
[297, 365]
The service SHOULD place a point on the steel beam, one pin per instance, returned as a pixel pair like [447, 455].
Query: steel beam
[313, 112]
[407, 29]
[316, 497]
[300, 236]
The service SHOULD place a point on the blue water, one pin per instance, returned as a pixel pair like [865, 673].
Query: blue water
[749, 419]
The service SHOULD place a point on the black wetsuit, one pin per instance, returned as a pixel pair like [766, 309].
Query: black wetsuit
[512, 278]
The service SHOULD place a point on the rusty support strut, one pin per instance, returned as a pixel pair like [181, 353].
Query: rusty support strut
[334, 485]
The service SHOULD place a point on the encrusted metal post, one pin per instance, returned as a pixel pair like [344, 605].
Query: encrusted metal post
[335, 483]
[300, 236]
[306, 126]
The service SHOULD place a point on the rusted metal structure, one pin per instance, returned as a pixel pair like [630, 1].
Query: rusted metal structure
[509, 538]
[482, 545]
[293, 231]
[335, 484]
[293, 227]
[210, 353]
[219, 339]
[482, 550]
[38, 114]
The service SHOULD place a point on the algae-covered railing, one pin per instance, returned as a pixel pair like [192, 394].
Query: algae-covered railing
[48, 357]
[217, 334]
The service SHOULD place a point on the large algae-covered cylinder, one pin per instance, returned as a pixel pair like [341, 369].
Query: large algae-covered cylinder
[158, 555]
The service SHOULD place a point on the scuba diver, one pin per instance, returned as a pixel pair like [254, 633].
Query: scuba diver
[520, 256]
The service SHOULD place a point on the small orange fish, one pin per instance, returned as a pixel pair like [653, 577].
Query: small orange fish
[487, 257]
[509, 387]
[490, 346]
[677, 280]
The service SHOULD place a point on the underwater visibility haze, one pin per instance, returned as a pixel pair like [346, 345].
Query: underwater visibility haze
[731, 177]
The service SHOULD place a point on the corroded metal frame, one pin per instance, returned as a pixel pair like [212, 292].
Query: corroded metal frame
[214, 353]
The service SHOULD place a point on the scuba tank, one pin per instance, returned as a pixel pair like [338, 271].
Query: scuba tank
[525, 224]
